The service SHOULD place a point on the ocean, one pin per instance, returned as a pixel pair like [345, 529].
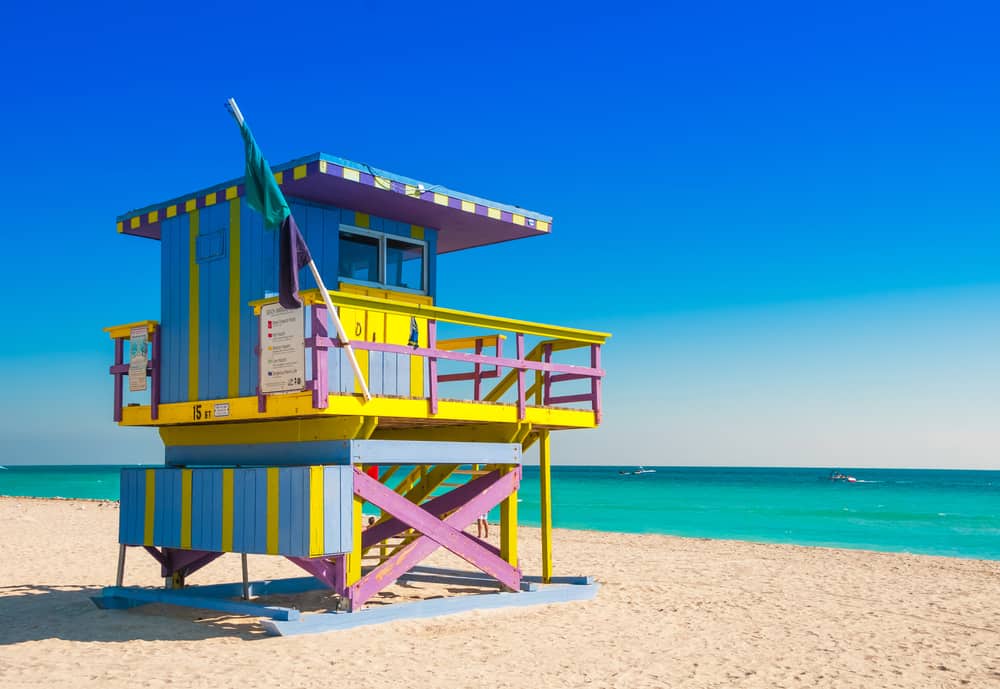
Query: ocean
[935, 512]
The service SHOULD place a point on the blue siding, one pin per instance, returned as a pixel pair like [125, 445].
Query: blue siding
[293, 522]
[175, 272]
[132, 506]
[213, 313]
[250, 505]
[258, 276]
[167, 518]
[338, 491]
[206, 509]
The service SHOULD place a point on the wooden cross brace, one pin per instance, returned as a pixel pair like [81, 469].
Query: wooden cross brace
[479, 496]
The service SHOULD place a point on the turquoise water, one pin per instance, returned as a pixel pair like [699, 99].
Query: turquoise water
[954, 513]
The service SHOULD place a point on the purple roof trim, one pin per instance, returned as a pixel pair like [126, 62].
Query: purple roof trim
[457, 228]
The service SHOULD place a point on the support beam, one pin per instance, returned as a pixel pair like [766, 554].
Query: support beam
[119, 578]
[354, 557]
[508, 525]
[545, 482]
[447, 533]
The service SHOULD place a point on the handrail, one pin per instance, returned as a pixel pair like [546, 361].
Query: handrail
[125, 330]
[476, 320]
[120, 369]
[507, 382]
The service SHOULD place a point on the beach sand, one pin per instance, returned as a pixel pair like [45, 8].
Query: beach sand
[672, 612]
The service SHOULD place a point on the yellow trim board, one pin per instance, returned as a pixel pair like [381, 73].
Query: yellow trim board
[116, 331]
[479, 320]
[288, 407]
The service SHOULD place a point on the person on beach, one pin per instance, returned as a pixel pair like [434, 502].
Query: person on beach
[482, 527]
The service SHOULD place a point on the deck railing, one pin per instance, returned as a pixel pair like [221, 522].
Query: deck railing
[469, 349]
[119, 370]
[482, 354]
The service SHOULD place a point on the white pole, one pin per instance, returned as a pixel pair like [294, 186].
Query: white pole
[235, 109]
[340, 332]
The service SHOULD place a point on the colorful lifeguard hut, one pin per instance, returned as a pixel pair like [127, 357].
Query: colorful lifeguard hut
[269, 445]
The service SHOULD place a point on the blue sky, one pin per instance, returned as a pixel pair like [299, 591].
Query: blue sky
[786, 215]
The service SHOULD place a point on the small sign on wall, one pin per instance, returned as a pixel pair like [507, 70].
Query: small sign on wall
[138, 358]
[282, 350]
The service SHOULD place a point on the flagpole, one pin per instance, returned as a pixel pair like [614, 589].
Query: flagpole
[338, 326]
[345, 343]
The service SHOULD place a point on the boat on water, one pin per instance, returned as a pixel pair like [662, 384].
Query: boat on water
[635, 472]
[839, 476]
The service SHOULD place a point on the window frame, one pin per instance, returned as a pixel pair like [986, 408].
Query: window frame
[382, 238]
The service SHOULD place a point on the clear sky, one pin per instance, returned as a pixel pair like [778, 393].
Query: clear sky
[786, 214]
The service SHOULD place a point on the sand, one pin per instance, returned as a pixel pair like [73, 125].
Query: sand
[672, 612]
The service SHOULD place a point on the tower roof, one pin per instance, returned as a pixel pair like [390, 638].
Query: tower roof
[463, 221]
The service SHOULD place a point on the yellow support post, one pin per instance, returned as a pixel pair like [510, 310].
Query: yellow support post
[544, 479]
[508, 525]
[354, 560]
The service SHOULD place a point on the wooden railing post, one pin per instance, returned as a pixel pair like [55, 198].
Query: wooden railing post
[519, 346]
[154, 392]
[547, 376]
[117, 377]
[432, 366]
[320, 356]
[478, 371]
[595, 382]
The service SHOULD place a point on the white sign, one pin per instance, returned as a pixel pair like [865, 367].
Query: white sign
[282, 350]
[221, 410]
[138, 358]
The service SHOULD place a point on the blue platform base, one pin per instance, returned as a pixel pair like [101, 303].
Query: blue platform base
[289, 622]
[435, 607]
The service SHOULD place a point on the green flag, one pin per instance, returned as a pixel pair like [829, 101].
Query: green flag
[262, 191]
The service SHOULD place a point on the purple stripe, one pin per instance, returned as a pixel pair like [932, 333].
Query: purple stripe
[582, 371]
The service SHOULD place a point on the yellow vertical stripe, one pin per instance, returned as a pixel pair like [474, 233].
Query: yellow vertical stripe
[272, 510]
[147, 535]
[508, 525]
[234, 298]
[194, 294]
[316, 546]
[545, 484]
[354, 561]
[227, 510]
[417, 362]
[186, 508]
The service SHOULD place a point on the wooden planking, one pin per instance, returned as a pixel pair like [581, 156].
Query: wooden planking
[317, 519]
[185, 535]
[213, 306]
[256, 278]
[174, 318]
[273, 510]
[132, 512]
[434, 607]
[227, 510]
[149, 506]
[338, 524]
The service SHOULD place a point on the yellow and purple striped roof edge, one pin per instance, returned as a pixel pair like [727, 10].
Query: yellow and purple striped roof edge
[466, 220]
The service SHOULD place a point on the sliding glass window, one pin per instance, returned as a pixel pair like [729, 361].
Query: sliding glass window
[374, 258]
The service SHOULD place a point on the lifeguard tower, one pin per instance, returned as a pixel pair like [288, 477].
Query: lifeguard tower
[270, 448]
